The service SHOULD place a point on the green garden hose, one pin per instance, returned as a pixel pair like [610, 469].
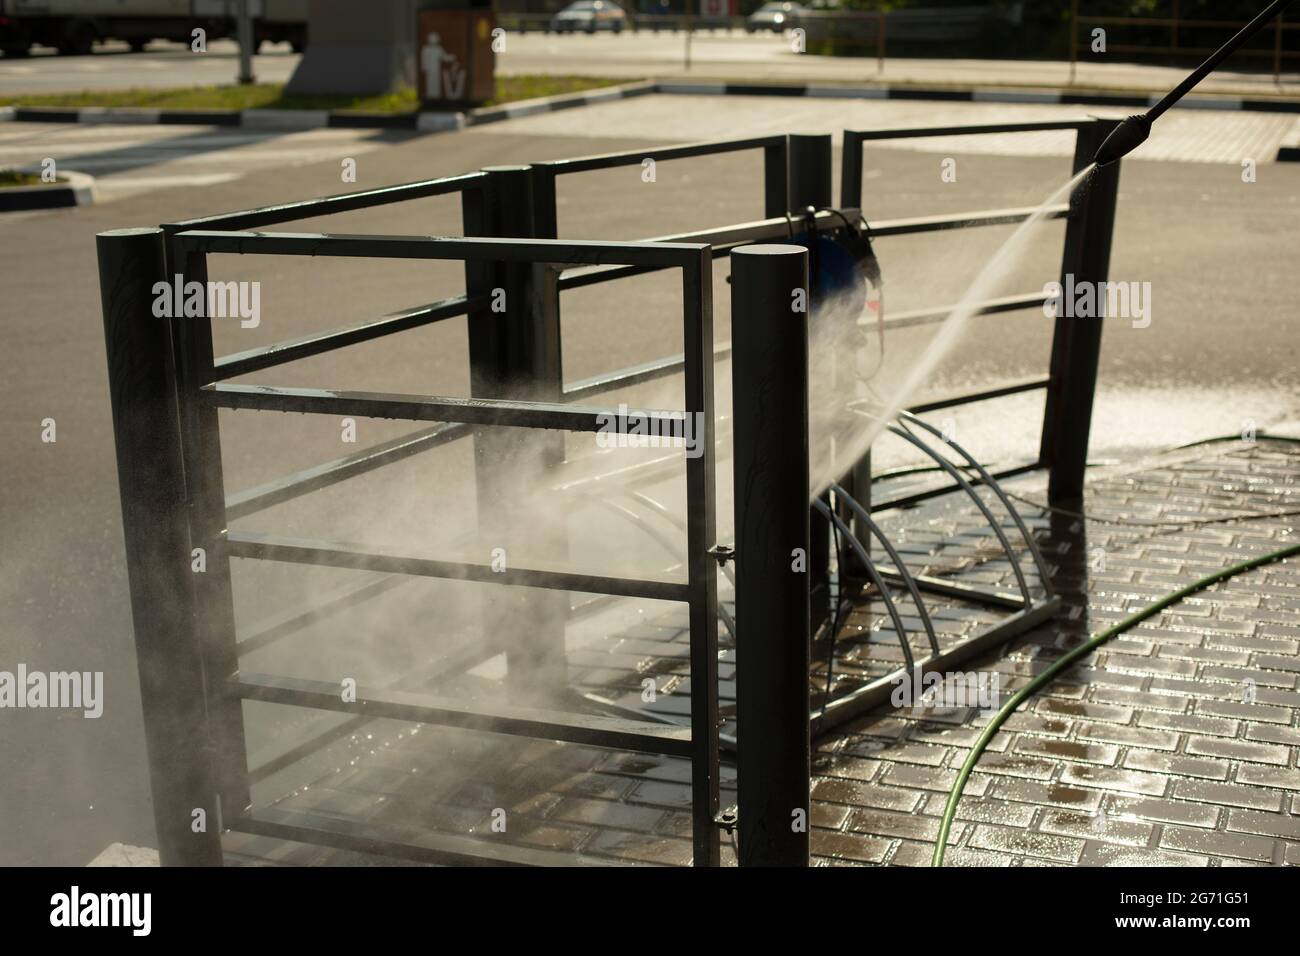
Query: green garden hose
[1082, 650]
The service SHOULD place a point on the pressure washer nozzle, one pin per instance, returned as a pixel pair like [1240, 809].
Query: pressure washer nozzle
[1125, 138]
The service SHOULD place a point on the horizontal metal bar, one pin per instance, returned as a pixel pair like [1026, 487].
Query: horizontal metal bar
[904, 501]
[878, 692]
[346, 202]
[1172, 22]
[1009, 303]
[658, 154]
[949, 588]
[341, 554]
[496, 717]
[992, 217]
[304, 482]
[463, 658]
[434, 408]
[294, 754]
[635, 374]
[671, 364]
[291, 622]
[966, 398]
[645, 472]
[594, 275]
[722, 240]
[471, 249]
[417, 844]
[632, 375]
[921, 132]
[253, 360]
[1197, 51]
[726, 742]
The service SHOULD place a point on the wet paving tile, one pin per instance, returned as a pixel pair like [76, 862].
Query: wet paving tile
[641, 847]
[1175, 745]
[848, 846]
[1100, 826]
[1100, 854]
[1026, 843]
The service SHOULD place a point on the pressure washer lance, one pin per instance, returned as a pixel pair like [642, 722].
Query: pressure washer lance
[1132, 133]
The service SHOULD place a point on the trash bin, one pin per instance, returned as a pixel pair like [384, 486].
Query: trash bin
[454, 56]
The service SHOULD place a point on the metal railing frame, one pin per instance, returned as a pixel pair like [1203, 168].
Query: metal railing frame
[185, 246]
[771, 601]
[775, 172]
[200, 391]
[173, 488]
[496, 202]
[1071, 381]
[1173, 48]
[493, 200]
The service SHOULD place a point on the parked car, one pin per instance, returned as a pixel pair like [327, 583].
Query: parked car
[777, 17]
[590, 16]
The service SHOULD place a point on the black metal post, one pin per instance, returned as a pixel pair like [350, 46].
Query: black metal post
[514, 353]
[810, 171]
[811, 184]
[1076, 341]
[206, 488]
[702, 571]
[146, 434]
[770, 398]
[851, 171]
[859, 487]
[859, 477]
[776, 179]
[545, 216]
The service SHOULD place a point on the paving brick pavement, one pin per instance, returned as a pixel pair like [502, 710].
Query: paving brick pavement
[1174, 745]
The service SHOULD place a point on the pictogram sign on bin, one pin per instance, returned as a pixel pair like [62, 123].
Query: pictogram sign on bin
[455, 59]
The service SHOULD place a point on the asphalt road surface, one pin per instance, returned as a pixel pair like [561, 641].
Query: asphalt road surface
[1220, 352]
[130, 159]
[736, 56]
[127, 159]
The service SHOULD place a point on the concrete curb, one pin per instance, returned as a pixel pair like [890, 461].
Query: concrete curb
[103, 114]
[977, 95]
[73, 189]
[550, 104]
[268, 119]
[284, 119]
[438, 122]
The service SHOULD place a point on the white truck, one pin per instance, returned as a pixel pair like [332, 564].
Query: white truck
[73, 26]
